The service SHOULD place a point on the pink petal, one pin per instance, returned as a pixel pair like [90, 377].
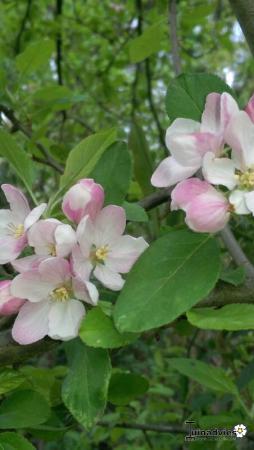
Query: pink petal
[125, 252]
[55, 271]
[186, 191]
[8, 304]
[17, 201]
[11, 248]
[169, 172]
[240, 136]
[110, 223]
[65, 319]
[108, 278]
[250, 108]
[65, 239]
[27, 263]
[85, 291]
[211, 117]
[81, 265]
[41, 235]
[31, 324]
[85, 235]
[229, 108]
[34, 215]
[31, 286]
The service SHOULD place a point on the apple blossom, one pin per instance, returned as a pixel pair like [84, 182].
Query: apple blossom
[207, 210]
[50, 237]
[8, 303]
[188, 140]
[15, 222]
[103, 250]
[52, 307]
[237, 174]
[85, 197]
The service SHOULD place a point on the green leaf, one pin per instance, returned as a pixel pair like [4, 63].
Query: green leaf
[19, 160]
[85, 388]
[209, 376]
[84, 157]
[125, 387]
[14, 441]
[135, 212]
[143, 167]
[56, 98]
[234, 276]
[23, 409]
[219, 420]
[186, 94]
[177, 271]
[34, 57]
[98, 330]
[113, 172]
[147, 43]
[229, 317]
[9, 380]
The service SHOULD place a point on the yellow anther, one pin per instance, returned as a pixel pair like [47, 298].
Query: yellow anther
[52, 249]
[101, 253]
[246, 179]
[60, 294]
[18, 231]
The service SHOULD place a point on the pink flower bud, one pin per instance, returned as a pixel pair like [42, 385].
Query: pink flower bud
[8, 304]
[84, 198]
[207, 210]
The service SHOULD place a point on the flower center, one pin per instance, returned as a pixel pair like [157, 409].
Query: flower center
[52, 249]
[16, 230]
[60, 294]
[98, 255]
[246, 179]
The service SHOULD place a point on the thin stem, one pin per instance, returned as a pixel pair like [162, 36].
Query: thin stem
[172, 7]
[236, 251]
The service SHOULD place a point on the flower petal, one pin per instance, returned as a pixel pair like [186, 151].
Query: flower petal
[11, 248]
[186, 191]
[8, 304]
[55, 271]
[27, 263]
[108, 277]
[219, 171]
[86, 291]
[17, 201]
[34, 215]
[125, 252]
[211, 118]
[237, 199]
[81, 265]
[249, 200]
[169, 172]
[250, 108]
[240, 136]
[85, 235]
[41, 236]
[110, 223]
[65, 238]
[31, 324]
[30, 285]
[65, 319]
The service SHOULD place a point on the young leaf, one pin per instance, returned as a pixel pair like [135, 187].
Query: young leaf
[14, 441]
[209, 376]
[143, 167]
[9, 380]
[98, 330]
[113, 172]
[23, 409]
[18, 159]
[172, 275]
[135, 212]
[85, 388]
[187, 93]
[35, 56]
[148, 43]
[125, 387]
[234, 276]
[229, 317]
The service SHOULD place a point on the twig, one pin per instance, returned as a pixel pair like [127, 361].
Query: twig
[59, 8]
[23, 26]
[173, 35]
[145, 427]
[17, 125]
[155, 199]
[236, 252]
[148, 440]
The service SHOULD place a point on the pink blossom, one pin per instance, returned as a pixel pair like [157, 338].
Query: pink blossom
[250, 108]
[50, 237]
[188, 140]
[15, 222]
[53, 307]
[84, 198]
[103, 250]
[8, 303]
[207, 210]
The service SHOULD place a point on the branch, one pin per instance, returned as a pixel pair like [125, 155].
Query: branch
[173, 35]
[17, 125]
[244, 11]
[23, 26]
[236, 252]
[59, 8]
[144, 427]
[225, 294]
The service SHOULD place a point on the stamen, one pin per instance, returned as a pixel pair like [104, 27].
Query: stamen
[98, 255]
[16, 230]
[60, 294]
[52, 249]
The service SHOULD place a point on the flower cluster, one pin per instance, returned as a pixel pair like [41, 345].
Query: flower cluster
[221, 148]
[53, 282]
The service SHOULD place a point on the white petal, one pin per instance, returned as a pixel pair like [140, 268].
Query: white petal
[17, 201]
[31, 324]
[55, 271]
[81, 265]
[27, 263]
[240, 136]
[41, 236]
[237, 199]
[125, 252]
[34, 215]
[86, 291]
[108, 278]
[109, 224]
[85, 235]
[249, 200]
[65, 319]
[30, 285]
[211, 117]
[10, 248]
[219, 171]
[65, 238]
[170, 172]
[7, 217]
